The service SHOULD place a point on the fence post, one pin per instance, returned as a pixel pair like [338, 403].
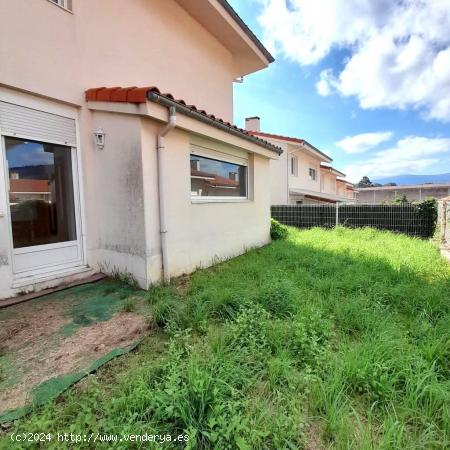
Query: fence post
[442, 215]
[337, 213]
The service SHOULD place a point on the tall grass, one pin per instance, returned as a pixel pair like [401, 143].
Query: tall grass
[339, 338]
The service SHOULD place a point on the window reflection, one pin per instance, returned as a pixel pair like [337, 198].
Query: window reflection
[40, 192]
[214, 178]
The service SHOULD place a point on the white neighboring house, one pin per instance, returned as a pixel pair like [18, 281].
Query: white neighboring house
[302, 174]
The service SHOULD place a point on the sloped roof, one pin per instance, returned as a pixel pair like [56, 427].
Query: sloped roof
[135, 94]
[215, 180]
[332, 169]
[27, 185]
[247, 30]
[290, 139]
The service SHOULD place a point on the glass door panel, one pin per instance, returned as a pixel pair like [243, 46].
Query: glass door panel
[41, 193]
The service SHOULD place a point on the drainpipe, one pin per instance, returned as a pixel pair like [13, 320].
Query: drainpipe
[160, 146]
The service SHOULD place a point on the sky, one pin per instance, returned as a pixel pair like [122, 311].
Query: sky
[367, 82]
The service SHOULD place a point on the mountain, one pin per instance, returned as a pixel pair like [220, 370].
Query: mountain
[415, 179]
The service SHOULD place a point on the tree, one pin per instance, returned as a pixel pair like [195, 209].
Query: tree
[390, 184]
[365, 182]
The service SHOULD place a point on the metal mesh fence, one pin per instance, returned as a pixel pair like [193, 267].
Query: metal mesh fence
[402, 218]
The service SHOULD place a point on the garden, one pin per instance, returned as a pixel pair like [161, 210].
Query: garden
[326, 338]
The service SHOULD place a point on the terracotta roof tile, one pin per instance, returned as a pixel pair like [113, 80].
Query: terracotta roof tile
[29, 185]
[138, 95]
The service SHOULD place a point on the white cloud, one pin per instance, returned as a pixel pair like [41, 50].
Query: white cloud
[411, 155]
[327, 83]
[398, 50]
[363, 142]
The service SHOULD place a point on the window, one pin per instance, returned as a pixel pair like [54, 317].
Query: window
[294, 166]
[66, 4]
[312, 174]
[41, 196]
[213, 178]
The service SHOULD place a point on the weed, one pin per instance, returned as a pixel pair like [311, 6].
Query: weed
[129, 305]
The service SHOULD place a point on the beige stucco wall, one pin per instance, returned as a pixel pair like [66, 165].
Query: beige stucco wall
[281, 178]
[302, 181]
[328, 182]
[52, 52]
[341, 189]
[279, 190]
[115, 199]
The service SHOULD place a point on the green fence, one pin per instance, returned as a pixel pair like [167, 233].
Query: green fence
[407, 218]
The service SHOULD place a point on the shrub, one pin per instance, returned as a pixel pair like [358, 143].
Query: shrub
[428, 210]
[278, 230]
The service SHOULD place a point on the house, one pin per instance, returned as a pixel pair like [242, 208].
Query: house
[412, 193]
[118, 151]
[346, 190]
[302, 174]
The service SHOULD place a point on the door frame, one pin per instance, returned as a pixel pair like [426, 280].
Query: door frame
[77, 176]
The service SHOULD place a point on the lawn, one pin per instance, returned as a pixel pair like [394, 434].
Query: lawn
[328, 339]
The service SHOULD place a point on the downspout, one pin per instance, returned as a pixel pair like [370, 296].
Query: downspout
[160, 146]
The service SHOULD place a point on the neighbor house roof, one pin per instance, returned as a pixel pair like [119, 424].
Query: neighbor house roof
[28, 186]
[289, 139]
[143, 94]
[317, 195]
[214, 180]
[406, 186]
[332, 169]
[349, 185]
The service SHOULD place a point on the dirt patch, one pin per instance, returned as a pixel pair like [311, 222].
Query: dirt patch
[63, 335]
[314, 441]
[36, 322]
[87, 344]
[182, 284]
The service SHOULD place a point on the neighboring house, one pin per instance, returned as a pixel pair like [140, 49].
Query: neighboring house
[125, 179]
[302, 174]
[346, 190]
[411, 193]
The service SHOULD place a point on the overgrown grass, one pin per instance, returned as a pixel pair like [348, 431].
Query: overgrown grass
[339, 338]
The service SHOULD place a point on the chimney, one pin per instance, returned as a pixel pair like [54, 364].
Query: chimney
[232, 175]
[252, 123]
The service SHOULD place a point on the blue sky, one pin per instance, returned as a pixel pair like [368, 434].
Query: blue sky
[383, 105]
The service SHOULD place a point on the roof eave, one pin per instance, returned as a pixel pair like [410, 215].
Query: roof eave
[224, 24]
[212, 121]
[247, 30]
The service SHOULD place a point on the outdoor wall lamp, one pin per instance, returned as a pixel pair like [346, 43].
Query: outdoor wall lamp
[100, 138]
